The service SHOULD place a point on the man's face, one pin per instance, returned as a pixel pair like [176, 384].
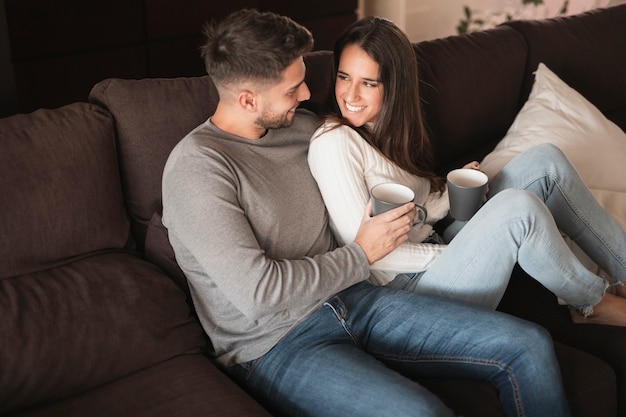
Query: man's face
[280, 101]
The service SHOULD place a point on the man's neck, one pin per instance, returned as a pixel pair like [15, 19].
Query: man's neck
[231, 122]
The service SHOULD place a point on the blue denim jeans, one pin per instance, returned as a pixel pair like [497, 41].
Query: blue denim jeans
[531, 201]
[359, 354]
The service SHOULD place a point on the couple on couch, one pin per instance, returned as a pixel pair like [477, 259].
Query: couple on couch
[322, 328]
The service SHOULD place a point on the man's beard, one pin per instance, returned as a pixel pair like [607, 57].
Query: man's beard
[274, 121]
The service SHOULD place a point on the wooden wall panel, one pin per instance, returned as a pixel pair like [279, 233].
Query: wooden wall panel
[44, 28]
[55, 81]
[61, 48]
[168, 19]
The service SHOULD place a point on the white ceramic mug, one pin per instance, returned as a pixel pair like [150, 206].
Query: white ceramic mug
[387, 196]
[466, 191]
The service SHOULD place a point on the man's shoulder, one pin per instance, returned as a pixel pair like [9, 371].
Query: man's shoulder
[197, 146]
[306, 120]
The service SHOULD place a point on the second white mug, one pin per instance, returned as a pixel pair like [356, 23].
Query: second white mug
[466, 191]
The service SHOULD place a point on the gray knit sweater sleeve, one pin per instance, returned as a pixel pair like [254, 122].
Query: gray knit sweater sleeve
[250, 231]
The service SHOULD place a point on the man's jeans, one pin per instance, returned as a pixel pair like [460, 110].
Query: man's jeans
[358, 354]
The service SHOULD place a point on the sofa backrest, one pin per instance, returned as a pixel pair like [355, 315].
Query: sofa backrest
[151, 116]
[60, 183]
[587, 51]
[470, 89]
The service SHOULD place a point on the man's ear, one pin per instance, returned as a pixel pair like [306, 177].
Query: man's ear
[248, 100]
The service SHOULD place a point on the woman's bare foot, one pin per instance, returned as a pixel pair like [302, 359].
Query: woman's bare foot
[620, 290]
[611, 310]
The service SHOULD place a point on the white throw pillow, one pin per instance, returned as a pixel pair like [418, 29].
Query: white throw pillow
[555, 113]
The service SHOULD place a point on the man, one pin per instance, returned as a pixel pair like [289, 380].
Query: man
[290, 315]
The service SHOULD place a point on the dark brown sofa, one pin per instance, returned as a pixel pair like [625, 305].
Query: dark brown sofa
[94, 318]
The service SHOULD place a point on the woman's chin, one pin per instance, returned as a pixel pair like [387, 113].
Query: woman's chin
[354, 121]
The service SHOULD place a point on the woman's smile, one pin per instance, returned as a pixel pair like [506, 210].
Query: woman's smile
[352, 108]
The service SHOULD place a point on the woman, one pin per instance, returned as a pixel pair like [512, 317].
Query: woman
[375, 134]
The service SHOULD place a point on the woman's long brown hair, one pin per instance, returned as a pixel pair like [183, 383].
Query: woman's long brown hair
[398, 131]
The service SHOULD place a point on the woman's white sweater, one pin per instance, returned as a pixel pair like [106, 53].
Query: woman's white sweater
[346, 167]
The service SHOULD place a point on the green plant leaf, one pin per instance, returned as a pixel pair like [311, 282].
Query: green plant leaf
[467, 11]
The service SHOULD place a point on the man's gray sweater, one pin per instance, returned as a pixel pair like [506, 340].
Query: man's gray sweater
[250, 231]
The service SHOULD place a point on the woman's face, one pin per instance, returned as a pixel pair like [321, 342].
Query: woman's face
[358, 91]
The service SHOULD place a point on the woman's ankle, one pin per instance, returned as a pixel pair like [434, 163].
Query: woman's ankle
[610, 311]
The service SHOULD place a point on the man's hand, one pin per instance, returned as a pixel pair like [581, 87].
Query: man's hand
[381, 234]
[472, 165]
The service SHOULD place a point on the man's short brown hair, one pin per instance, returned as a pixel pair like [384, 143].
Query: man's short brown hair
[253, 45]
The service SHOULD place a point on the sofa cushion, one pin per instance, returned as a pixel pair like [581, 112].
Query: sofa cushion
[151, 117]
[594, 68]
[188, 386]
[469, 87]
[577, 369]
[60, 186]
[78, 326]
[159, 251]
[556, 113]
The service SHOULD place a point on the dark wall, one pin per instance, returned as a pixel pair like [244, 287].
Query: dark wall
[60, 49]
[8, 99]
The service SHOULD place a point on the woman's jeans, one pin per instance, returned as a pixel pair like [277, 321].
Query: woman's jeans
[359, 353]
[531, 201]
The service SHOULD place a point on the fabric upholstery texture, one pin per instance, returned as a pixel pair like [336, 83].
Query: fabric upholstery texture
[593, 68]
[60, 185]
[467, 115]
[148, 125]
[87, 323]
[77, 309]
[159, 251]
[188, 386]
